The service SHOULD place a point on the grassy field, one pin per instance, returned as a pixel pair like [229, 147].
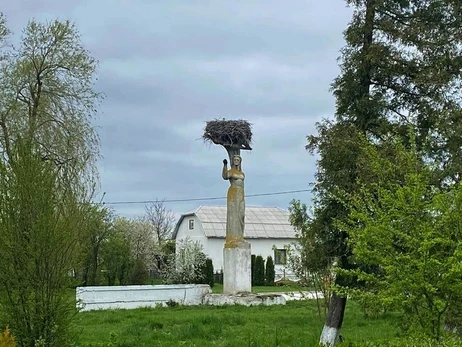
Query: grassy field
[295, 324]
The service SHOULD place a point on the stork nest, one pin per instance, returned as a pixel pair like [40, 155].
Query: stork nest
[229, 133]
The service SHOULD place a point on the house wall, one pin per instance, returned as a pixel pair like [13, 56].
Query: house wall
[213, 247]
[263, 247]
[197, 234]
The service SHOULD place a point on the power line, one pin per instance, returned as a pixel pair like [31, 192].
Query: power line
[203, 199]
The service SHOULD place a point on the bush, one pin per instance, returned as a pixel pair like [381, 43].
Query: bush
[38, 228]
[209, 276]
[187, 264]
[140, 274]
[259, 271]
[269, 272]
[6, 339]
[252, 268]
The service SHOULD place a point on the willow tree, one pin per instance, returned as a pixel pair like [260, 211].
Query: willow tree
[47, 96]
[48, 152]
[400, 67]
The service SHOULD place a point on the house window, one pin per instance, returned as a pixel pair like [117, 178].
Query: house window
[280, 256]
[191, 224]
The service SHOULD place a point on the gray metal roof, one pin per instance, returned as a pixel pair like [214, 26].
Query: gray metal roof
[260, 222]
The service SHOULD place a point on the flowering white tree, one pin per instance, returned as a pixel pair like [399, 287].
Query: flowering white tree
[187, 264]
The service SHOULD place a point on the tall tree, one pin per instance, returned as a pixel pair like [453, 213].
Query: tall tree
[48, 97]
[96, 229]
[39, 233]
[400, 67]
[410, 233]
[116, 255]
[161, 220]
[48, 150]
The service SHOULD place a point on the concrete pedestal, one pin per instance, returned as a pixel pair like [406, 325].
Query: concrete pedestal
[237, 277]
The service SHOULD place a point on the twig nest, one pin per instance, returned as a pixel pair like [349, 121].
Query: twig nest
[229, 133]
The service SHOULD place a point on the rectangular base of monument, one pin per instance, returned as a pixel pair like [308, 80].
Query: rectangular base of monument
[237, 276]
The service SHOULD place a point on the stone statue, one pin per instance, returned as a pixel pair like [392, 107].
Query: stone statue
[235, 212]
[234, 136]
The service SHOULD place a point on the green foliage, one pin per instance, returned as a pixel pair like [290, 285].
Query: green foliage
[269, 271]
[209, 276]
[96, 229]
[252, 268]
[453, 318]
[400, 67]
[6, 339]
[48, 174]
[116, 258]
[139, 274]
[295, 324]
[38, 227]
[407, 232]
[47, 96]
[259, 271]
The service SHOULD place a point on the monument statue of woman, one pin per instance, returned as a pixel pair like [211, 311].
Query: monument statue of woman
[235, 213]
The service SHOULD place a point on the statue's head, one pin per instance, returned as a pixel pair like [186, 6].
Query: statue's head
[237, 160]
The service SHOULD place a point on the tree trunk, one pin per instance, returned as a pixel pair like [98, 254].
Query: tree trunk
[330, 332]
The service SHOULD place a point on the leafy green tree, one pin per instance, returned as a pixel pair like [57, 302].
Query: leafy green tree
[269, 271]
[38, 232]
[400, 66]
[259, 271]
[139, 272]
[116, 258]
[48, 149]
[96, 230]
[409, 231]
[47, 96]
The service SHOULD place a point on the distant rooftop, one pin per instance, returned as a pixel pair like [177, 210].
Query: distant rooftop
[260, 222]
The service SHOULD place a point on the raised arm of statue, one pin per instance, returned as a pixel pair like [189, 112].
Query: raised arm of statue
[224, 173]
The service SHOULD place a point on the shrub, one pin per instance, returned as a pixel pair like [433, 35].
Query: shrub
[39, 221]
[259, 271]
[209, 276]
[6, 339]
[269, 271]
[140, 274]
[187, 264]
[252, 268]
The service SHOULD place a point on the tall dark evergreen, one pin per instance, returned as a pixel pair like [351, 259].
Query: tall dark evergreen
[400, 67]
[252, 268]
[270, 272]
[259, 278]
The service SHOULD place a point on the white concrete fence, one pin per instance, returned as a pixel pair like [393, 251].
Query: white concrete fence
[127, 297]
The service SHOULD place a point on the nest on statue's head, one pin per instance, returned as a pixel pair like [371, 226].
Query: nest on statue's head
[229, 133]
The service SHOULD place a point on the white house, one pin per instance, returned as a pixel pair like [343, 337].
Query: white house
[266, 228]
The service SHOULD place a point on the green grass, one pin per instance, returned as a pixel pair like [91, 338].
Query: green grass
[218, 289]
[295, 324]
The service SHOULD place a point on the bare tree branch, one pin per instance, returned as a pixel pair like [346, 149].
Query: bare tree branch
[161, 219]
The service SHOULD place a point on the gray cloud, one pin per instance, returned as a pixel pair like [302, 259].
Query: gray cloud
[167, 66]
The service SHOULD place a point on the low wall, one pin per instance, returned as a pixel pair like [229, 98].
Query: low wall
[127, 297]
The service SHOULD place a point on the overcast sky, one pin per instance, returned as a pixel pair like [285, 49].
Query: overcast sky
[168, 66]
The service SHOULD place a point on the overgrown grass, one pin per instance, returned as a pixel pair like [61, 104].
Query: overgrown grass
[295, 324]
